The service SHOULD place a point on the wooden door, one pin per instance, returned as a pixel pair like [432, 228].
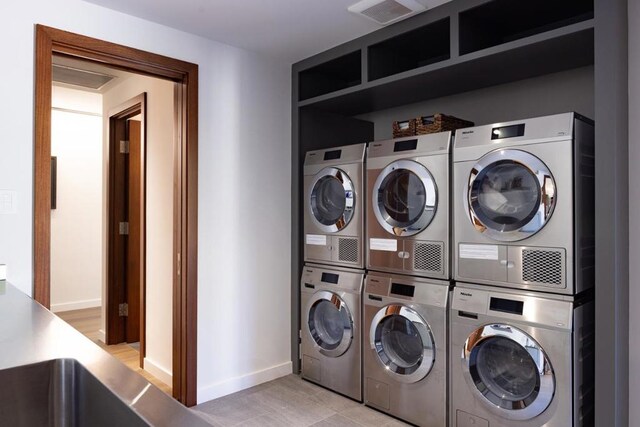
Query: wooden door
[135, 265]
[118, 213]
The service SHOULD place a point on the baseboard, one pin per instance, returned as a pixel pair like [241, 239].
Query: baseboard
[242, 382]
[157, 371]
[76, 305]
[102, 336]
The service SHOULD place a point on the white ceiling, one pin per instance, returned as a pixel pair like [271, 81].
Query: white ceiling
[290, 30]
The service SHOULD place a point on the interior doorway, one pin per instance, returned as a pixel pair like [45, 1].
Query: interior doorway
[183, 261]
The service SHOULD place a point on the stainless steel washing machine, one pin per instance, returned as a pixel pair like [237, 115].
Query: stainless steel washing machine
[408, 205]
[405, 350]
[520, 359]
[334, 206]
[330, 328]
[523, 201]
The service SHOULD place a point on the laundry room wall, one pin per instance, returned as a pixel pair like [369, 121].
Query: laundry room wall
[244, 183]
[562, 92]
[76, 141]
[159, 213]
[634, 211]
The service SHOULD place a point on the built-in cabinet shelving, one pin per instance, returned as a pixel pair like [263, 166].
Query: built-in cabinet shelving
[502, 21]
[340, 96]
[414, 49]
[335, 74]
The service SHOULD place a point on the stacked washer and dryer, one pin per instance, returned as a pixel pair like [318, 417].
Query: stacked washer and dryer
[475, 308]
[406, 287]
[333, 275]
[521, 317]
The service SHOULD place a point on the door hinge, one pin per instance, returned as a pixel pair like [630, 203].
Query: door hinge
[123, 309]
[124, 147]
[124, 228]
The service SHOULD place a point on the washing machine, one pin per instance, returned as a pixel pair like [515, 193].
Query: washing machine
[334, 206]
[408, 205]
[330, 332]
[524, 205]
[520, 358]
[405, 351]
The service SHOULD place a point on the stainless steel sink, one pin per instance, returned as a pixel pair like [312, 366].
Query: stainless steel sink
[60, 392]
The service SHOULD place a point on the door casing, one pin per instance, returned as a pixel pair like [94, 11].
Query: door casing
[51, 41]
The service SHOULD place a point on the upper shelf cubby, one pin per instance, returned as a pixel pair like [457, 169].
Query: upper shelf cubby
[414, 49]
[502, 21]
[339, 73]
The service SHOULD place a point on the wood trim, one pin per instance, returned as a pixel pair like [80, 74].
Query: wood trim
[50, 41]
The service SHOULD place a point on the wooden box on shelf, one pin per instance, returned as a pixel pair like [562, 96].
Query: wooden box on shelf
[439, 123]
[404, 128]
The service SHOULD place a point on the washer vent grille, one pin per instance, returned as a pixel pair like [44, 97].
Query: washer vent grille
[428, 257]
[347, 249]
[543, 267]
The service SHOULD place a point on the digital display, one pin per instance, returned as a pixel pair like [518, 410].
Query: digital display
[409, 144]
[506, 305]
[404, 290]
[507, 132]
[330, 278]
[332, 155]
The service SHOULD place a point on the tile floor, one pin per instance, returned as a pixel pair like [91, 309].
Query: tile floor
[291, 401]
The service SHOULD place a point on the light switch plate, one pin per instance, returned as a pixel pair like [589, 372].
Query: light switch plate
[8, 205]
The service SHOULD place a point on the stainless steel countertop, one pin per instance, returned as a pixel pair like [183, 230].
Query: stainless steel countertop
[29, 333]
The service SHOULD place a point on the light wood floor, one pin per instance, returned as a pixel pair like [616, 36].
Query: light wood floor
[87, 322]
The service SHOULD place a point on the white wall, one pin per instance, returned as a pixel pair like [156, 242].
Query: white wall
[244, 183]
[159, 220]
[76, 140]
[634, 212]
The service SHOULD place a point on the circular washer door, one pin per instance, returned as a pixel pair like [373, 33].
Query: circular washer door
[403, 343]
[330, 323]
[511, 195]
[332, 200]
[405, 198]
[508, 371]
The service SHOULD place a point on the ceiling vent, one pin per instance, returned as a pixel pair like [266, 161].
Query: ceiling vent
[82, 78]
[386, 12]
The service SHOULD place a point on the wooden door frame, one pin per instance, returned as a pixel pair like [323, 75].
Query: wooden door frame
[50, 41]
[114, 332]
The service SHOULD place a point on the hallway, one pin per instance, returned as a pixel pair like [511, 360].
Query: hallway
[87, 322]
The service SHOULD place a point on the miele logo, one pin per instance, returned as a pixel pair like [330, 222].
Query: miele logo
[374, 281]
[466, 294]
[467, 132]
[309, 271]
[377, 145]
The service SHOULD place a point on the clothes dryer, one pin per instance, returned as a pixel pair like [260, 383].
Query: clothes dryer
[330, 328]
[334, 206]
[520, 358]
[523, 201]
[405, 347]
[408, 205]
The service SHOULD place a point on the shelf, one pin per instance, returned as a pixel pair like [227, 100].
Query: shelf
[331, 76]
[414, 49]
[553, 51]
[503, 21]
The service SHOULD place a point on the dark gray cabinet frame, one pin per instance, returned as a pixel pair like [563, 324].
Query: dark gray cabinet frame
[601, 41]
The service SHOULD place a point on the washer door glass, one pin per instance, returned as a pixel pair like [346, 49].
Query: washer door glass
[330, 323]
[511, 195]
[403, 343]
[405, 198]
[510, 371]
[332, 199]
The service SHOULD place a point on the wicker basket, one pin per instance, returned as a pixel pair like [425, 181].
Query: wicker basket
[439, 123]
[404, 128]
